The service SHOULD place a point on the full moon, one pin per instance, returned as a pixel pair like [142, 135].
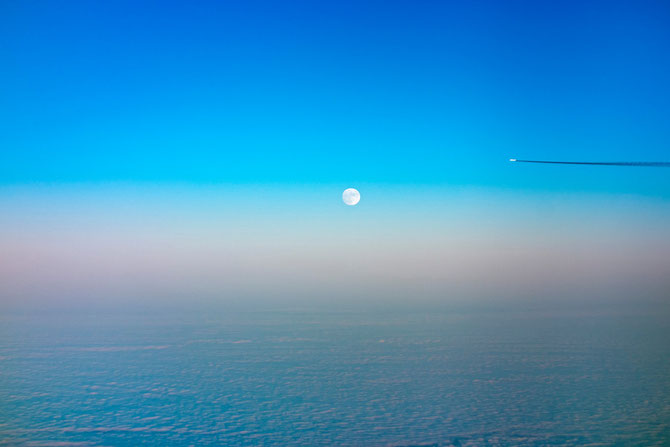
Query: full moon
[351, 197]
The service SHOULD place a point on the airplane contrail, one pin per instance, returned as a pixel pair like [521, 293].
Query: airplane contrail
[656, 164]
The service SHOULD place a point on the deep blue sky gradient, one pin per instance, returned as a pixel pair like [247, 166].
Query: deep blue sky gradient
[427, 93]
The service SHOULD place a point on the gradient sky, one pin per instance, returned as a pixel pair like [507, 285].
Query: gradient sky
[172, 150]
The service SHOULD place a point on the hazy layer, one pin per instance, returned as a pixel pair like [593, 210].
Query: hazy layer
[148, 242]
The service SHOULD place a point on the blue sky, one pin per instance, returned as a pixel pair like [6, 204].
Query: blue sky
[143, 117]
[329, 92]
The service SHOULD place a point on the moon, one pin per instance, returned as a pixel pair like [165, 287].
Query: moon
[351, 196]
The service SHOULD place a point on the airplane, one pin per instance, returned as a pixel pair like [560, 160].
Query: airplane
[656, 164]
